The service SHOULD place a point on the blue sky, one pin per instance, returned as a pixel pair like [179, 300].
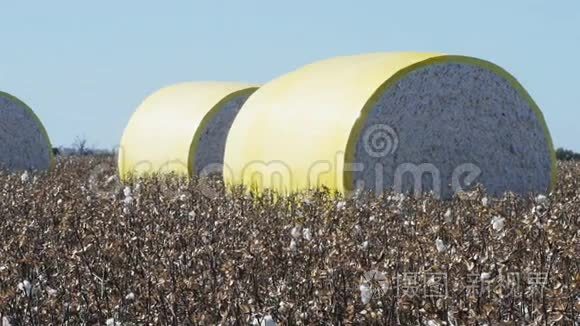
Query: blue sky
[85, 66]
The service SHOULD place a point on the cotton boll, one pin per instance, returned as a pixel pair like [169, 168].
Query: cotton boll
[267, 320]
[283, 307]
[365, 245]
[130, 296]
[6, 321]
[127, 191]
[485, 276]
[447, 216]
[441, 247]
[485, 201]
[296, 232]
[365, 293]
[306, 234]
[451, 318]
[128, 200]
[51, 291]
[112, 322]
[293, 245]
[25, 287]
[541, 199]
[24, 177]
[498, 223]
[340, 205]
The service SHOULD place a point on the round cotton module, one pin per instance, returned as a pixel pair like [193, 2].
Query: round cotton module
[181, 129]
[24, 143]
[409, 122]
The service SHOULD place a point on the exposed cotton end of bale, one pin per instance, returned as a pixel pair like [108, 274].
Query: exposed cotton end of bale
[209, 155]
[409, 122]
[451, 119]
[24, 143]
[181, 129]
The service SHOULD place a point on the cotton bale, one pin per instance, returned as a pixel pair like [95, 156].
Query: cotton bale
[24, 143]
[181, 129]
[409, 122]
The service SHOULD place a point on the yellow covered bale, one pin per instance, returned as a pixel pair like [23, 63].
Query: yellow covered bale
[181, 129]
[402, 121]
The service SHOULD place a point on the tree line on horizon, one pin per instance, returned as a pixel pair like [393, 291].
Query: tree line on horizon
[563, 154]
[80, 148]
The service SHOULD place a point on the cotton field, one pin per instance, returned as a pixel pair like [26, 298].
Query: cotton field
[79, 247]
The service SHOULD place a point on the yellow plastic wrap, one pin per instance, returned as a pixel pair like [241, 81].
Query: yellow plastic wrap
[162, 134]
[311, 119]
